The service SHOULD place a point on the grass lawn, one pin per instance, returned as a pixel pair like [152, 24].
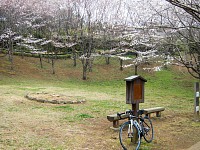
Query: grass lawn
[31, 125]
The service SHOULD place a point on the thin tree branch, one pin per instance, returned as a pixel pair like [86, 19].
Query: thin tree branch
[190, 10]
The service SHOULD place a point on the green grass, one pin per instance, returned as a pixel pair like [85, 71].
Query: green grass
[167, 88]
[65, 108]
[105, 93]
[84, 116]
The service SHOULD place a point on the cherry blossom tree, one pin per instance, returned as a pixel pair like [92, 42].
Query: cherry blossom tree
[184, 42]
[192, 7]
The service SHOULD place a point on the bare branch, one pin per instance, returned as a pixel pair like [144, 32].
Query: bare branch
[190, 10]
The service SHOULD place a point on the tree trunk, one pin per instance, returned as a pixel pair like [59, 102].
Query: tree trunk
[136, 68]
[90, 63]
[84, 62]
[53, 69]
[10, 51]
[107, 57]
[121, 64]
[84, 72]
[74, 58]
[40, 60]
[22, 54]
[48, 58]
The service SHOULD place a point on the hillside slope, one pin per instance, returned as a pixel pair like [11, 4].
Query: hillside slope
[57, 126]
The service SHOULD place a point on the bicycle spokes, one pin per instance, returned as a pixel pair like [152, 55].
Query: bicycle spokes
[131, 132]
[129, 137]
[148, 130]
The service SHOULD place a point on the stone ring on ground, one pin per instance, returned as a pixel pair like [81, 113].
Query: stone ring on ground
[55, 98]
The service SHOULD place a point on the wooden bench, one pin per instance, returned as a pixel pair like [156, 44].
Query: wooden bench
[156, 110]
[115, 119]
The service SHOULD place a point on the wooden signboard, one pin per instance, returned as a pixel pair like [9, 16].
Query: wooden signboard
[135, 89]
[135, 94]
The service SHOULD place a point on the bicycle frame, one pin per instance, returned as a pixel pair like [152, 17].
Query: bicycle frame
[136, 128]
[137, 125]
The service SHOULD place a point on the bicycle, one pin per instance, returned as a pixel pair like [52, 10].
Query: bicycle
[132, 131]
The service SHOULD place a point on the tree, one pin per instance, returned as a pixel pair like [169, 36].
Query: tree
[185, 40]
[87, 46]
[191, 7]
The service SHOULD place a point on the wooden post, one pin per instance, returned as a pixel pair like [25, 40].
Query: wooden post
[135, 107]
[135, 95]
[196, 101]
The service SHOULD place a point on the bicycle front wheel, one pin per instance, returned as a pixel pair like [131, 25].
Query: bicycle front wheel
[147, 129]
[129, 137]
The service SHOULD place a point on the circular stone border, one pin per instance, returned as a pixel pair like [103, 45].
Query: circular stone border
[54, 98]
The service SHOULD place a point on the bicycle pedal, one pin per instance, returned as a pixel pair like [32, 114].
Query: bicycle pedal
[146, 129]
[130, 135]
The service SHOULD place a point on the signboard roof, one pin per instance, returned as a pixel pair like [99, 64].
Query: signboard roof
[132, 78]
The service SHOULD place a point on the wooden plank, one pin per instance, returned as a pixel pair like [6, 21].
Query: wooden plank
[137, 90]
[114, 117]
[153, 110]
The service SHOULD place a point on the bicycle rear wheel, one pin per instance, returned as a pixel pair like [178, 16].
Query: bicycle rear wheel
[147, 129]
[129, 140]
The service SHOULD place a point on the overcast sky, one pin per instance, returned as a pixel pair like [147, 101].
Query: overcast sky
[120, 11]
[131, 11]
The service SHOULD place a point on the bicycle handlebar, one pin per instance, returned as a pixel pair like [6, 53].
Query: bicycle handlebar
[119, 114]
[140, 112]
[126, 112]
[131, 112]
